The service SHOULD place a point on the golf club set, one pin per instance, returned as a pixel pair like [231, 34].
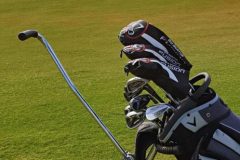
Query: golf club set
[137, 111]
[191, 123]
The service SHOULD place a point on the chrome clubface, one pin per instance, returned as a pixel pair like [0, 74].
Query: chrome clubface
[134, 87]
[157, 112]
[133, 118]
[135, 84]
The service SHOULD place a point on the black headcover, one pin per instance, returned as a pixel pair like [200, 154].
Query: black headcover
[147, 51]
[155, 57]
[172, 79]
[141, 32]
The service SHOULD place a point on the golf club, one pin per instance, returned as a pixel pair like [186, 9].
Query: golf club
[136, 85]
[157, 111]
[139, 103]
[134, 119]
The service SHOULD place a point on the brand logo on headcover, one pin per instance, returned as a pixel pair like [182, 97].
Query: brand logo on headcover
[163, 38]
[133, 27]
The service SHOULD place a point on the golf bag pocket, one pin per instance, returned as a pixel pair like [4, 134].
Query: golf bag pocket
[225, 142]
[192, 120]
[172, 79]
[141, 32]
[222, 146]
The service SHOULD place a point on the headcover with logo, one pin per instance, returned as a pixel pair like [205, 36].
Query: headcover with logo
[141, 32]
[147, 51]
[155, 57]
[170, 78]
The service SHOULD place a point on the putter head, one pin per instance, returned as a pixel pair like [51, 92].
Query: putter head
[157, 111]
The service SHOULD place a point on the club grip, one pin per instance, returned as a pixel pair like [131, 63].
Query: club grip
[27, 34]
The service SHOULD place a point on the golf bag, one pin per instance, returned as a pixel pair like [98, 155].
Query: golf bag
[199, 129]
[200, 125]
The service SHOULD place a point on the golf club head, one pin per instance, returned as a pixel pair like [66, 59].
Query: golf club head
[157, 111]
[135, 84]
[139, 103]
[127, 110]
[134, 87]
[134, 119]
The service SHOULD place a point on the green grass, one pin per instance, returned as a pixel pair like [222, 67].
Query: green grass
[40, 117]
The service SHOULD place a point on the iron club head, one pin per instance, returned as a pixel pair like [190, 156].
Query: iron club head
[157, 111]
[135, 84]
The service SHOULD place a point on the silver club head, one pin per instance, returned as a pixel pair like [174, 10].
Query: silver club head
[157, 111]
[135, 84]
[134, 119]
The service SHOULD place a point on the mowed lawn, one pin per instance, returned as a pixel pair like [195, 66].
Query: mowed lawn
[41, 119]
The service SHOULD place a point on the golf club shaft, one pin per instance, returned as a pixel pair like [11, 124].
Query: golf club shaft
[152, 153]
[27, 34]
[150, 90]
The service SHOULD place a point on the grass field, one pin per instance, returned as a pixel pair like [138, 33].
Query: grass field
[40, 118]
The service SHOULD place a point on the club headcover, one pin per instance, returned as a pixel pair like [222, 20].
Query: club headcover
[141, 32]
[172, 79]
[147, 51]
